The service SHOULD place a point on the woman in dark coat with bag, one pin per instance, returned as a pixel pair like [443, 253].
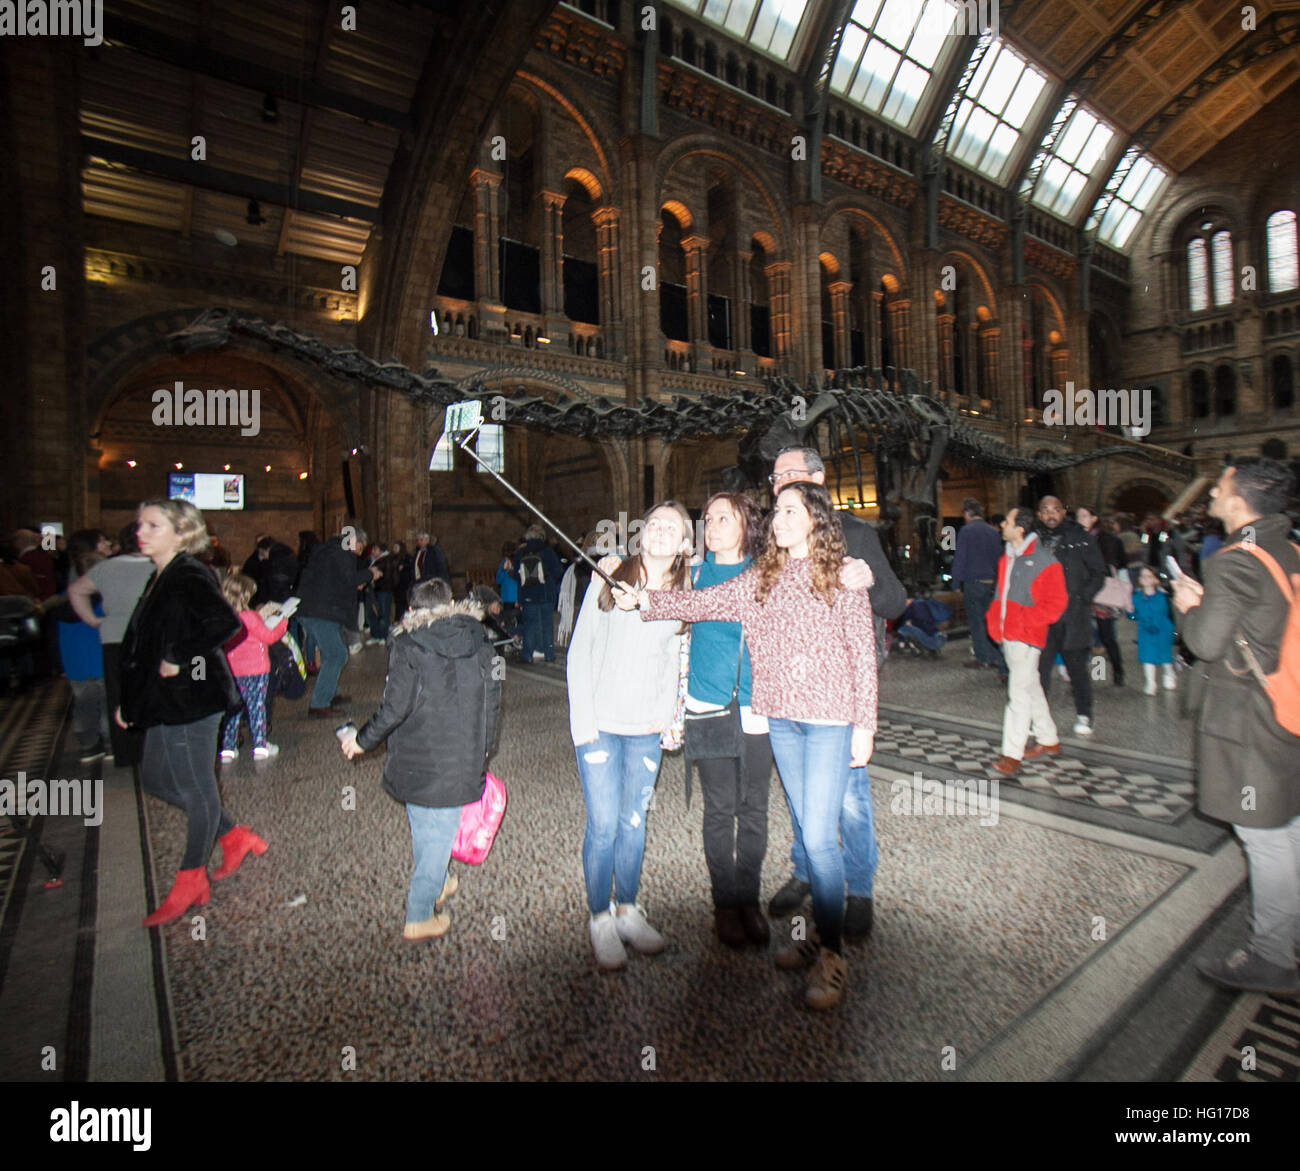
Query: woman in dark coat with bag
[439, 715]
[176, 684]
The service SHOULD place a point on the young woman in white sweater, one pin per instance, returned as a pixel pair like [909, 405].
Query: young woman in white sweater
[622, 676]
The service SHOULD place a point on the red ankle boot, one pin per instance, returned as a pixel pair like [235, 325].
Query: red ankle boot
[190, 887]
[234, 846]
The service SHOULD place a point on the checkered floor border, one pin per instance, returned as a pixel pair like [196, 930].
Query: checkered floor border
[1103, 778]
[29, 727]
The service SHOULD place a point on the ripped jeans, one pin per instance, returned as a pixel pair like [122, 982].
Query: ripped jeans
[618, 781]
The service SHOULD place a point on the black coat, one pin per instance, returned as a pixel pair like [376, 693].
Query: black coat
[440, 706]
[1239, 743]
[330, 583]
[279, 572]
[1085, 573]
[182, 618]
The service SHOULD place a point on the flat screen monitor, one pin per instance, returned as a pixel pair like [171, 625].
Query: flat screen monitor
[208, 491]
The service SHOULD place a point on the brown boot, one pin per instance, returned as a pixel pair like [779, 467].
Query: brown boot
[1007, 765]
[730, 931]
[754, 923]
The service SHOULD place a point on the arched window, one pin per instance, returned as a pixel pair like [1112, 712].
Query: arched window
[1225, 390]
[1198, 285]
[1221, 258]
[1280, 240]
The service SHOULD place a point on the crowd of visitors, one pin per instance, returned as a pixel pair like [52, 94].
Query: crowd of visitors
[765, 650]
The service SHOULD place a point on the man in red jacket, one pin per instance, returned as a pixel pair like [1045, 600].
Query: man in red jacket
[1030, 596]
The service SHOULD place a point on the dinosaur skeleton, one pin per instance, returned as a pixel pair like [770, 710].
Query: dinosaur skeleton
[882, 412]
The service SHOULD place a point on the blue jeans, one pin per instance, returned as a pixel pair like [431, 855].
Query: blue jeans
[618, 780]
[377, 611]
[813, 760]
[979, 597]
[333, 654]
[857, 832]
[538, 631]
[433, 833]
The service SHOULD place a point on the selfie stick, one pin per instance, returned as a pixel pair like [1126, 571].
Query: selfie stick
[530, 505]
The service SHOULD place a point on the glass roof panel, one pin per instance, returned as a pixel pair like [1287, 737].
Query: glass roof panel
[769, 25]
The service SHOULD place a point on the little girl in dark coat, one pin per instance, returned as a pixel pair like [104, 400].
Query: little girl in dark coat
[439, 712]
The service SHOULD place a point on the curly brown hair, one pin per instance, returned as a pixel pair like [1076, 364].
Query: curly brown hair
[825, 546]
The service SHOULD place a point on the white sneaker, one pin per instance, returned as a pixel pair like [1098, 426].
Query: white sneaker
[229, 754]
[538, 656]
[1170, 683]
[1062, 672]
[633, 929]
[374, 642]
[266, 751]
[1150, 689]
[606, 943]
[355, 648]
[1083, 726]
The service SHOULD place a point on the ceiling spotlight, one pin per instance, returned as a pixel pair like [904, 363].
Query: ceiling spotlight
[178, 466]
[225, 467]
[255, 216]
[268, 467]
[130, 463]
[229, 239]
[270, 109]
[302, 475]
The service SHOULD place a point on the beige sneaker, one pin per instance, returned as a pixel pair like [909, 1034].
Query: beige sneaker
[449, 888]
[429, 929]
[826, 981]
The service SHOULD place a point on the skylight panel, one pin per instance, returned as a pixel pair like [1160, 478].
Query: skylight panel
[998, 102]
[1072, 161]
[889, 52]
[1139, 180]
[769, 25]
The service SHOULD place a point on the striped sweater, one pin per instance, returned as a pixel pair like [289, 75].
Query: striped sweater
[810, 661]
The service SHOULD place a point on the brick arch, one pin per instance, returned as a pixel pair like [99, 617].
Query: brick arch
[470, 65]
[846, 206]
[592, 125]
[132, 351]
[1135, 483]
[990, 298]
[702, 145]
[1173, 218]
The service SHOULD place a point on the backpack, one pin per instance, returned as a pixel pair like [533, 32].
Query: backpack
[288, 673]
[1283, 685]
[531, 569]
[479, 822]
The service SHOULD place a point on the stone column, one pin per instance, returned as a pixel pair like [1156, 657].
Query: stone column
[487, 251]
[947, 383]
[552, 254]
[697, 314]
[741, 341]
[990, 339]
[900, 317]
[1012, 386]
[840, 291]
[778, 307]
[611, 303]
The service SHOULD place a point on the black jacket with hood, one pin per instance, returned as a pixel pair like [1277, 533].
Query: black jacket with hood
[440, 707]
[181, 617]
[1085, 574]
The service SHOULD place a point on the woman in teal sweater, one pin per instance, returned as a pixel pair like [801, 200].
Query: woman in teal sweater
[735, 789]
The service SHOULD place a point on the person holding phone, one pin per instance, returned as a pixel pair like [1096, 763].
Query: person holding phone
[812, 644]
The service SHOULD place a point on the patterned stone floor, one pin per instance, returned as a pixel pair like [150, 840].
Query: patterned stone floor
[301, 963]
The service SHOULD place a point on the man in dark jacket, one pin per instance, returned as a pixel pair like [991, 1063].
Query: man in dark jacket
[1071, 634]
[429, 561]
[439, 715]
[277, 570]
[328, 590]
[538, 571]
[857, 818]
[1247, 764]
[974, 572]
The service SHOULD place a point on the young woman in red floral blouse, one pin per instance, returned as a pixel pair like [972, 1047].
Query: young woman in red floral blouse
[813, 651]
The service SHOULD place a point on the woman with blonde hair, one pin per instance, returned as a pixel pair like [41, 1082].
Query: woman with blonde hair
[813, 648]
[177, 685]
[623, 677]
